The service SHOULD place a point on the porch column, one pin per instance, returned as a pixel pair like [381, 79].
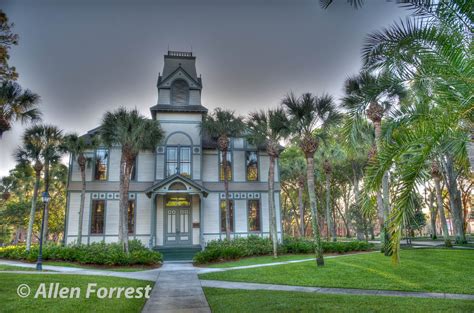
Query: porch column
[152, 242]
[201, 223]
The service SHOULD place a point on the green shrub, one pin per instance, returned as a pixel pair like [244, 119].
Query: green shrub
[96, 253]
[225, 250]
[298, 245]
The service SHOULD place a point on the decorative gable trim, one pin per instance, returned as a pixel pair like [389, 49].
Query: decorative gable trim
[165, 82]
[163, 186]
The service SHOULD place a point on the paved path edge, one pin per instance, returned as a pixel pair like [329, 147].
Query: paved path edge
[337, 291]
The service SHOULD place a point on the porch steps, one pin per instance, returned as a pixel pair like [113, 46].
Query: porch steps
[178, 253]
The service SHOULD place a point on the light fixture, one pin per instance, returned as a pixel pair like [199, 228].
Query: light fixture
[45, 196]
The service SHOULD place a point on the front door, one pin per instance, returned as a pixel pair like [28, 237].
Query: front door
[178, 221]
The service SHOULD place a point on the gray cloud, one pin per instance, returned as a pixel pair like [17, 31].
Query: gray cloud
[86, 57]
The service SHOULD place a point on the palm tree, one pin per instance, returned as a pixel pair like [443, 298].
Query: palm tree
[220, 125]
[293, 172]
[310, 116]
[52, 152]
[31, 152]
[269, 128]
[17, 105]
[432, 49]
[78, 146]
[133, 132]
[372, 96]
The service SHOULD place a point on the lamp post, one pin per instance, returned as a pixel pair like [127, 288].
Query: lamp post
[39, 264]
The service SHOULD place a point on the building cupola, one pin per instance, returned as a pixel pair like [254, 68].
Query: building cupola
[179, 87]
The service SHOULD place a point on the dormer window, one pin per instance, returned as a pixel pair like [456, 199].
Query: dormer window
[179, 92]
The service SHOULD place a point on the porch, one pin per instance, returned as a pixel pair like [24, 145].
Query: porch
[176, 220]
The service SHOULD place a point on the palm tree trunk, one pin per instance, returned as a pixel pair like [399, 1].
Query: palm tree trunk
[271, 205]
[29, 233]
[442, 217]
[455, 200]
[329, 220]
[46, 209]
[433, 217]
[470, 151]
[314, 210]
[123, 211]
[226, 190]
[382, 203]
[386, 195]
[81, 205]
[361, 230]
[301, 209]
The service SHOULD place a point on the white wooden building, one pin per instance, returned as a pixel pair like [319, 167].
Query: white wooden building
[176, 194]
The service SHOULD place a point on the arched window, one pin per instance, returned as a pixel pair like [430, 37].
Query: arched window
[177, 186]
[179, 92]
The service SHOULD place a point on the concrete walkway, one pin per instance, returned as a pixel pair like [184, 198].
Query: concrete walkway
[337, 291]
[177, 289]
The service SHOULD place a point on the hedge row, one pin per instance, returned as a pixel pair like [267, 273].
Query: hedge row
[95, 253]
[226, 250]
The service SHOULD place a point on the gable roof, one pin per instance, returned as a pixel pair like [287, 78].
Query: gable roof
[175, 59]
[174, 178]
[163, 79]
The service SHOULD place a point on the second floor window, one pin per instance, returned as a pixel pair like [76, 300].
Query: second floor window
[251, 164]
[178, 159]
[101, 163]
[97, 217]
[229, 166]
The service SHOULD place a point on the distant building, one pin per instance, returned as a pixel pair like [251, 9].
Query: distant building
[177, 193]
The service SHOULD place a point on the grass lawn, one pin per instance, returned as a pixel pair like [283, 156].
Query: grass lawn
[11, 302]
[262, 260]
[133, 268]
[223, 300]
[435, 270]
[15, 268]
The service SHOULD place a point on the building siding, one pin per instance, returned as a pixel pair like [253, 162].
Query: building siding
[145, 166]
[112, 218]
[114, 164]
[143, 213]
[210, 166]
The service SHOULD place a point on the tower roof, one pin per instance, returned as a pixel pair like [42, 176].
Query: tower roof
[175, 59]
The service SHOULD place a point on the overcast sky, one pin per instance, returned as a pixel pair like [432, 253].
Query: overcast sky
[86, 57]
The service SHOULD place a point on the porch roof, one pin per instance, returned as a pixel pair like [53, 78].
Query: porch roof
[192, 187]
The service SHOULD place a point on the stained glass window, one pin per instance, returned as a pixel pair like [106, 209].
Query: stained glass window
[97, 218]
[254, 215]
[101, 163]
[251, 161]
[177, 201]
[229, 166]
[223, 210]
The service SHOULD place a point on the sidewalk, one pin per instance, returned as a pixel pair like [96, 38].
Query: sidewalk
[177, 290]
[337, 291]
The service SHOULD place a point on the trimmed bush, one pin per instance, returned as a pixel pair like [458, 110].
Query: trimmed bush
[96, 253]
[298, 245]
[223, 250]
[226, 250]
